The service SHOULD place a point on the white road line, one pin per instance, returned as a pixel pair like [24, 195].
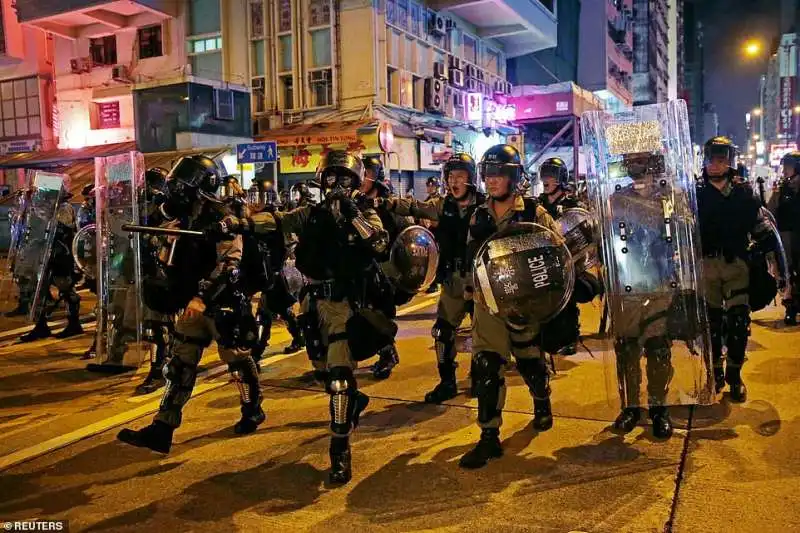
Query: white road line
[32, 452]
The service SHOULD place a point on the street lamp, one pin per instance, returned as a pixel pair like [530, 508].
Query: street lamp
[796, 110]
[752, 48]
[757, 112]
[756, 136]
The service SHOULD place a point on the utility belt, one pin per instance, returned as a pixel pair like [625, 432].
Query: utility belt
[327, 290]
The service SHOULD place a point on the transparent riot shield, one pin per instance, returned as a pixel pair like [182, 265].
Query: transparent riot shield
[119, 186]
[35, 244]
[84, 250]
[579, 228]
[641, 182]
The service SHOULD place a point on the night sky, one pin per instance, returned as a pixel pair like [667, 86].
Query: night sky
[732, 79]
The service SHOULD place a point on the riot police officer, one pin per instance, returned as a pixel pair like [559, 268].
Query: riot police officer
[373, 187]
[218, 310]
[493, 340]
[16, 219]
[433, 188]
[785, 206]
[556, 197]
[157, 327]
[301, 195]
[452, 214]
[337, 247]
[275, 296]
[728, 215]
[62, 275]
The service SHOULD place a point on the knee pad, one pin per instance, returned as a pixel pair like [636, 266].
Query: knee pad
[180, 373]
[536, 376]
[341, 386]
[657, 346]
[443, 331]
[341, 380]
[488, 379]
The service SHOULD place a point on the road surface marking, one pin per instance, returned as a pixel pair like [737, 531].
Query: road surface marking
[37, 450]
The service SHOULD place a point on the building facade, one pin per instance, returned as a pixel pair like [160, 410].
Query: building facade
[650, 51]
[606, 51]
[26, 85]
[694, 71]
[323, 77]
[167, 75]
[552, 65]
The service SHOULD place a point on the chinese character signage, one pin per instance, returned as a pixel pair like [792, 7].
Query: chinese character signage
[786, 105]
[474, 106]
[306, 157]
[108, 115]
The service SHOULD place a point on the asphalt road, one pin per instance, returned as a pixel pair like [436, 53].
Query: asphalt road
[729, 467]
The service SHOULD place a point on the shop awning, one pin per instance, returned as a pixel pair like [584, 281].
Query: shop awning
[324, 133]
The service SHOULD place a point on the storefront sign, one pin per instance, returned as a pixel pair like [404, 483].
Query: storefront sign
[108, 115]
[21, 146]
[474, 106]
[777, 152]
[306, 157]
[432, 155]
[786, 105]
[322, 138]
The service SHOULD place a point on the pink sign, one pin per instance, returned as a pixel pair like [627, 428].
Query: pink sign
[108, 115]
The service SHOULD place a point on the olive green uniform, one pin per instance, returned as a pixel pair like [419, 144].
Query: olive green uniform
[491, 333]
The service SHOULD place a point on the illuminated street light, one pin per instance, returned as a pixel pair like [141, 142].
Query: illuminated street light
[757, 112]
[752, 48]
[756, 137]
[797, 109]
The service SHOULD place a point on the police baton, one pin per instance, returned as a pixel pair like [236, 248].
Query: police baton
[134, 228]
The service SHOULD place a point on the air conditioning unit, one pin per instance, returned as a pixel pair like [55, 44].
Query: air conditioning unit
[257, 84]
[435, 96]
[455, 62]
[319, 76]
[456, 77]
[292, 117]
[473, 85]
[458, 99]
[120, 73]
[223, 104]
[450, 25]
[487, 89]
[470, 71]
[79, 65]
[480, 74]
[437, 25]
[502, 87]
[439, 70]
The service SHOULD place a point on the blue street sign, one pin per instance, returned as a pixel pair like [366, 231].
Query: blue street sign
[266, 152]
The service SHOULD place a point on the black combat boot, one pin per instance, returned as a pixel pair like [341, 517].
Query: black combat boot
[733, 377]
[488, 447]
[73, 319]
[790, 318]
[738, 331]
[662, 425]
[627, 419]
[446, 389]
[245, 376]
[537, 378]
[91, 353]
[341, 460]
[387, 360]
[157, 437]
[40, 331]
[298, 342]
[155, 378]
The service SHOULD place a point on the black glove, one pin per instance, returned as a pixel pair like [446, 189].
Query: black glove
[349, 209]
[228, 227]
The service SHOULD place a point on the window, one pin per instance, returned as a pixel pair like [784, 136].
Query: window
[258, 95]
[19, 112]
[470, 49]
[285, 16]
[390, 81]
[149, 39]
[106, 116]
[393, 48]
[416, 19]
[103, 50]
[284, 53]
[491, 61]
[256, 19]
[391, 8]
[321, 84]
[287, 92]
[199, 46]
[257, 55]
[321, 48]
[204, 17]
[410, 53]
[320, 12]
[402, 14]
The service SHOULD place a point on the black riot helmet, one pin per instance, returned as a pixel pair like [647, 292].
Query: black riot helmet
[231, 188]
[502, 160]
[197, 172]
[88, 191]
[555, 167]
[339, 169]
[434, 181]
[719, 147]
[155, 178]
[374, 163]
[792, 159]
[461, 161]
